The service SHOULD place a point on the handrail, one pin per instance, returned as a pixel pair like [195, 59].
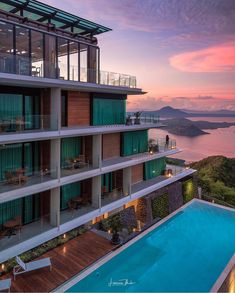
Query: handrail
[17, 64]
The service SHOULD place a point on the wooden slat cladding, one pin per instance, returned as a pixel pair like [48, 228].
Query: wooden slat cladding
[78, 108]
[111, 145]
[87, 148]
[45, 153]
[119, 178]
[46, 107]
[137, 173]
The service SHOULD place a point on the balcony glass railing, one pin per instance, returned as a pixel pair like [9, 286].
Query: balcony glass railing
[19, 178]
[15, 123]
[16, 64]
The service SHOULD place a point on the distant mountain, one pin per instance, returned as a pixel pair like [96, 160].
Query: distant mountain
[167, 112]
[170, 112]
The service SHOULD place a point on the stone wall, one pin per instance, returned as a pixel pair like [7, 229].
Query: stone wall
[144, 207]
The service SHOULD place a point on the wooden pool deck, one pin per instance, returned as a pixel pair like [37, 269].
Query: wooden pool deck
[67, 261]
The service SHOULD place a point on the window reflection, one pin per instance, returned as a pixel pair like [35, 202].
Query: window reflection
[73, 61]
[83, 63]
[22, 51]
[6, 48]
[63, 58]
[37, 53]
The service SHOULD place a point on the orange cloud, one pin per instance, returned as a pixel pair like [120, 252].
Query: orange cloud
[213, 59]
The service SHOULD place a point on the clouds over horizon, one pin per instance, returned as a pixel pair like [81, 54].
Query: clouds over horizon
[210, 103]
[219, 58]
[179, 50]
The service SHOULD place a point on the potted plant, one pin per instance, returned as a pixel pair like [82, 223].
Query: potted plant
[115, 225]
[128, 120]
[137, 117]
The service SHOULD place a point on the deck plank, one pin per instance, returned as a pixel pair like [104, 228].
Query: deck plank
[67, 261]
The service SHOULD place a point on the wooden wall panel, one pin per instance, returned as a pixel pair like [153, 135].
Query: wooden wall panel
[45, 203]
[119, 178]
[46, 107]
[111, 145]
[87, 148]
[78, 108]
[137, 173]
[45, 154]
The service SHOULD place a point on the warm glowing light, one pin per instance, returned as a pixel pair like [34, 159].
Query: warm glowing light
[64, 249]
[64, 236]
[93, 221]
[3, 267]
[151, 152]
[109, 231]
[213, 201]
[106, 215]
[134, 230]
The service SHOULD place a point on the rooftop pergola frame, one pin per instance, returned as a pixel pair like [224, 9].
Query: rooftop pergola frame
[52, 19]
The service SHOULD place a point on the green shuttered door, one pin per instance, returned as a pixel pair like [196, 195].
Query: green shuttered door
[68, 192]
[134, 142]
[154, 168]
[70, 148]
[109, 111]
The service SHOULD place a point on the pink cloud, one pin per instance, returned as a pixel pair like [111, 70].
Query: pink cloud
[213, 59]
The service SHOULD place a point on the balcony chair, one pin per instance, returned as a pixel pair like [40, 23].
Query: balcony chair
[23, 267]
[5, 285]
[19, 123]
[68, 164]
[72, 205]
[11, 178]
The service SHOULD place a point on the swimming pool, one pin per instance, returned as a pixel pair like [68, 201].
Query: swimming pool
[186, 253]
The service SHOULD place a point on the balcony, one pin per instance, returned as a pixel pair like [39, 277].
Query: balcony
[24, 165]
[31, 123]
[16, 64]
[23, 218]
[172, 173]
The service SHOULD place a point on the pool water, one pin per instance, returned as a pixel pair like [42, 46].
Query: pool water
[187, 253]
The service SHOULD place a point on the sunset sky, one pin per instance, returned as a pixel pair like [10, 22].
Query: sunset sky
[182, 52]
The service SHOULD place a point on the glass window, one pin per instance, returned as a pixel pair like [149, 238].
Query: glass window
[37, 53]
[22, 51]
[6, 48]
[50, 67]
[63, 58]
[73, 61]
[83, 62]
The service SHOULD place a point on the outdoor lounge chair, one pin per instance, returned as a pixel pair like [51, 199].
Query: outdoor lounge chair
[22, 267]
[5, 285]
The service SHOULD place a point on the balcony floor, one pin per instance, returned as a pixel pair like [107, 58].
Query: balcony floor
[111, 197]
[32, 180]
[67, 215]
[28, 231]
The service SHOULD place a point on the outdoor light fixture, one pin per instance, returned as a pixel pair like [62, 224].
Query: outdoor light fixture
[64, 236]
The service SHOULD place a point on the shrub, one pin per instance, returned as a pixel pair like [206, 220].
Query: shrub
[160, 206]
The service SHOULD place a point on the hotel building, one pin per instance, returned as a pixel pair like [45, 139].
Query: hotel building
[64, 136]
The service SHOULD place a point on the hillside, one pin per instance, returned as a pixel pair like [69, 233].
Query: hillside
[217, 177]
[186, 127]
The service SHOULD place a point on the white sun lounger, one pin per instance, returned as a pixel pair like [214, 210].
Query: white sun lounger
[5, 285]
[22, 267]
